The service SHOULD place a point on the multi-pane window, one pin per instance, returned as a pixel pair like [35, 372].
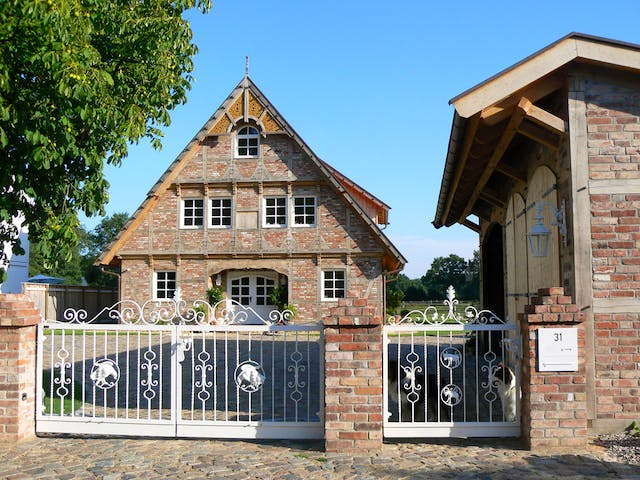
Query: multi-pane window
[275, 211]
[304, 211]
[248, 142]
[165, 285]
[220, 213]
[264, 289]
[192, 212]
[241, 290]
[333, 284]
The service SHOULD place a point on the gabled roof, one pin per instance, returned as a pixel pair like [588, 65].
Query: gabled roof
[488, 116]
[247, 101]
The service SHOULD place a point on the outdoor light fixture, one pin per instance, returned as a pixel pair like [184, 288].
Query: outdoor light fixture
[540, 234]
[218, 280]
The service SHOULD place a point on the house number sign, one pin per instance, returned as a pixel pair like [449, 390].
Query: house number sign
[557, 350]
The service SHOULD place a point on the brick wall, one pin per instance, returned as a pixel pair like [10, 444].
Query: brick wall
[554, 411]
[341, 239]
[353, 378]
[18, 319]
[613, 139]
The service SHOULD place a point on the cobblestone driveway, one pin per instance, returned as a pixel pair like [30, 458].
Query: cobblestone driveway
[87, 458]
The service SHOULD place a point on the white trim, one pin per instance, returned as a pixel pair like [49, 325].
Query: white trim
[238, 137]
[322, 288]
[210, 213]
[182, 216]
[293, 211]
[155, 283]
[264, 211]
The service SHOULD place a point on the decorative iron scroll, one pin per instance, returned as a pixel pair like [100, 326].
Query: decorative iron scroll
[176, 311]
[431, 316]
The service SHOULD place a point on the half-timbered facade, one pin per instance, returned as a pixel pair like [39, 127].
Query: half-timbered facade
[248, 207]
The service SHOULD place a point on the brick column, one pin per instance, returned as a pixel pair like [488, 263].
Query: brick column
[18, 319]
[353, 378]
[554, 410]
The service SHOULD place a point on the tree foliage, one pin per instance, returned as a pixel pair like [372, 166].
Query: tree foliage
[463, 274]
[83, 255]
[79, 81]
[95, 243]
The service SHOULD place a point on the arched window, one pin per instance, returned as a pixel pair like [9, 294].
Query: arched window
[248, 140]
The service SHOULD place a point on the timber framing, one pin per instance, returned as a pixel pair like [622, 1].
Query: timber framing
[238, 107]
[511, 107]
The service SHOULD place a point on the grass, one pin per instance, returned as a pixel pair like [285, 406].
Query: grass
[63, 405]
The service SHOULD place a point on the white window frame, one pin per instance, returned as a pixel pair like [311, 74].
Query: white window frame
[252, 133]
[304, 215]
[212, 217]
[284, 211]
[183, 217]
[333, 289]
[156, 283]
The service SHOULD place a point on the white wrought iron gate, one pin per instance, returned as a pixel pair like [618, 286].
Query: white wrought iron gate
[167, 370]
[449, 374]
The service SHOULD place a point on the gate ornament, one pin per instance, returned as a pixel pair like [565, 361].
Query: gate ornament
[176, 311]
[451, 358]
[249, 376]
[451, 395]
[431, 316]
[105, 373]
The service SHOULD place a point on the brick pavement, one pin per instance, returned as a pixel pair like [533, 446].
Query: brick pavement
[111, 459]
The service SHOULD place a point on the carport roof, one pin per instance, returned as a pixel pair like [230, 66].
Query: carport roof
[488, 116]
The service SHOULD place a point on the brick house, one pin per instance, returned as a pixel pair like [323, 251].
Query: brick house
[248, 207]
[554, 140]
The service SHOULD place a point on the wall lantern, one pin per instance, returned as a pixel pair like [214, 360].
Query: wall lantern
[218, 280]
[540, 233]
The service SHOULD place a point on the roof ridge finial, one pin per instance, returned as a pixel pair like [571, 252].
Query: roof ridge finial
[246, 66]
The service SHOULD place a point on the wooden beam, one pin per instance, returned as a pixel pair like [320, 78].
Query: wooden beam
[543, 118]
[492, 198]
[469, 137]
[507, 136]
[472, 225]
[502, 110]
[513, 173]
[541, 135]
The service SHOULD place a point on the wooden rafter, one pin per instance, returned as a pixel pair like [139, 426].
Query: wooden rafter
[543, 118]
[500, 112]
[513, 173]
[474, 122]
[472, 225]
[507, 135]
[492, 198]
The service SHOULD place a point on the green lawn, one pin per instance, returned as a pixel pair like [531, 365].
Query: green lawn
[67, 401]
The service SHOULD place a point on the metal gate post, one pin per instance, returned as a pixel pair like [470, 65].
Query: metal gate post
[353, 378]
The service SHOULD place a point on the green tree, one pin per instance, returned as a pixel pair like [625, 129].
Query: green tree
[71, 271]
[95, 243]
[444, 271]
[79, 81]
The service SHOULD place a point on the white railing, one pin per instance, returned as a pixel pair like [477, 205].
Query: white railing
[449, 373]
[168, 369]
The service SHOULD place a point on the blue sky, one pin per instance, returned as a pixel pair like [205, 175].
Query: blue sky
[367, 84]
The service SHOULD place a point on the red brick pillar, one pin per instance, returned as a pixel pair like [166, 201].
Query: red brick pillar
[18, 319]
[353, 378]
[554, 410]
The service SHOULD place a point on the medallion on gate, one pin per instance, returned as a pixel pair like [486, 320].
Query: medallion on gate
[451, 395]
[249, 376]
[105, 373]
[451, 358]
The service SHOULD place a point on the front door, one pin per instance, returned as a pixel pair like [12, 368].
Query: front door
[253, 290]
